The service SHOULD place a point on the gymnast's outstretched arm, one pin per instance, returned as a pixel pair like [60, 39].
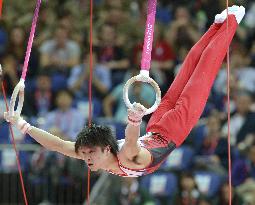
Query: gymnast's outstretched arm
[47, 140]
[53, 142]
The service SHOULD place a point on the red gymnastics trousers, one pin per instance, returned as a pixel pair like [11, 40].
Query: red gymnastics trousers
[184, 102]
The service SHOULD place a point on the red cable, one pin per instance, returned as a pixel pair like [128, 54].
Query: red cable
[228, 108]
[90, 84]
[15, 149]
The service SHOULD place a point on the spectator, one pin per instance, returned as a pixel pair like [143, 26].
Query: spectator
[223, 198]
[66, 19]
[188, 193]
[210, 146]
[79, 79]
[39, 101]
[65, 120]
[243, 74]
[60, 53]
[242, 118]
[110, 54]
[17, 47]
[246, 191]
[243, 170]
[45, 25]
[182, 31]
[10, 76]
[203, 201]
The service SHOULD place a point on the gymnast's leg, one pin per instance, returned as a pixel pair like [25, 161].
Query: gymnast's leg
[176, 123]
[169, 100]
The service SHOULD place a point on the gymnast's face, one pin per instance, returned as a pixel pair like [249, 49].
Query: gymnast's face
[95, 157]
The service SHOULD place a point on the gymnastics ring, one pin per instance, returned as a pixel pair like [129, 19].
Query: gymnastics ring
[19, 89]
[142, 77]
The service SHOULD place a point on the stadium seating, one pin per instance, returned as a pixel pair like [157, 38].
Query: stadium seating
[161, 185]
[208, 182]
[180, 159]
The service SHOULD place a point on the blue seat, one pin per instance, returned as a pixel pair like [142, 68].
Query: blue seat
[180, 159]
[208, 182]
[160, 185]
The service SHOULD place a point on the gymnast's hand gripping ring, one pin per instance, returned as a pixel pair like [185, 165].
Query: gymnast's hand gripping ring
[19, 89]
[142, 77]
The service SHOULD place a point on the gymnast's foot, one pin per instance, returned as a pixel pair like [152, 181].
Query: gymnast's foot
[238, 11]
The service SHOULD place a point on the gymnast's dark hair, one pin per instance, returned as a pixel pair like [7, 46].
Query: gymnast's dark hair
[96, 135]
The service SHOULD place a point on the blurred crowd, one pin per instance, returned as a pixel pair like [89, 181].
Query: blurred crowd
[57, 88]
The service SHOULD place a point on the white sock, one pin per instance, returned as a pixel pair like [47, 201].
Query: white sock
[220, 18]
[235, 10]
[238, 12]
